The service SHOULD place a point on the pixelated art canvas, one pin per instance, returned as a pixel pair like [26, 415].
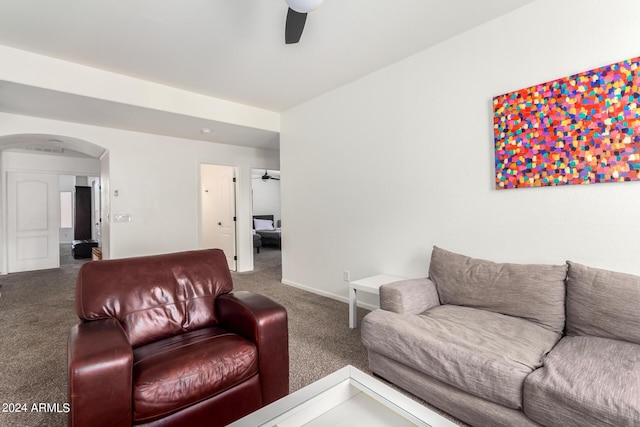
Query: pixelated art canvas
[581, 129]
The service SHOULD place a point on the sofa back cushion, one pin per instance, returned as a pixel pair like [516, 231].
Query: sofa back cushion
[157, 296]
[535, 292]
[603, 303]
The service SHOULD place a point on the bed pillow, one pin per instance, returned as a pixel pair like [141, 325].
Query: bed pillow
[262, 224]
[534, 292]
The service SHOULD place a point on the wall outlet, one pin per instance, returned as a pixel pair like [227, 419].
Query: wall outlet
[346, 276]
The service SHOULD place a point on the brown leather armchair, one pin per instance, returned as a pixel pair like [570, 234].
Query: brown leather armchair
[164, 341]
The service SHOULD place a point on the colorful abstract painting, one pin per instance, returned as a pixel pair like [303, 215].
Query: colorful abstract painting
[580, 129]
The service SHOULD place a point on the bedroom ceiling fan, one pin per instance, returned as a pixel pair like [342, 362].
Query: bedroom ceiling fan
[296, 18]
[267, 177]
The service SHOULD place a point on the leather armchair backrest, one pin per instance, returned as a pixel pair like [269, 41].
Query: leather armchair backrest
[157, 296]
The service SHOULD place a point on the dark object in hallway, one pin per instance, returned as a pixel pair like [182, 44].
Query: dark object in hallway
[82, 223]
[82, 248]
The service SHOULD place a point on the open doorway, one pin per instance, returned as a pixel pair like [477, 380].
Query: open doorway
[30, 170]
[79, 213]
[267, 218]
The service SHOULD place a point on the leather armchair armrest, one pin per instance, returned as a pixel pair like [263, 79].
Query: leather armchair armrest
[263, 322]
[100, 363]
[412, 296]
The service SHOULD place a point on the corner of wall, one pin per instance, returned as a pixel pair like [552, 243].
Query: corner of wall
[3, 215]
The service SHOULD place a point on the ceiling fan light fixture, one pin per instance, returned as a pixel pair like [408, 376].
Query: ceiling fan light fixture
[304, 6]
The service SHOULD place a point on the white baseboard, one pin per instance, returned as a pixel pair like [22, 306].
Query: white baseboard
[327, 294]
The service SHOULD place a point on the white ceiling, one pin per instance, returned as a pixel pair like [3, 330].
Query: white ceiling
[228, 49]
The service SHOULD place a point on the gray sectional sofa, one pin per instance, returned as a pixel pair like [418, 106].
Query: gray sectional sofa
[513, 344]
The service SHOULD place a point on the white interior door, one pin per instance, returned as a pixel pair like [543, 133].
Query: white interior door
[33, 221]
[218, 201]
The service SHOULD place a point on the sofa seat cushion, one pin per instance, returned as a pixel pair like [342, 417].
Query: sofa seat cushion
[483, 353]
[586, 381]
[171, 374]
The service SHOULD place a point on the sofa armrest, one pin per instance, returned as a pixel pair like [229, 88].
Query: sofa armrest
[412, 296]
[264, 322]
[100, 363]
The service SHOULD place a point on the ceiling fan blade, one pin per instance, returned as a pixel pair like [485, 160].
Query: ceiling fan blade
[294, 26]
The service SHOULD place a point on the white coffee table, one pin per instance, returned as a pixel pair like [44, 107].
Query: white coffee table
[348, 397]
[368, 284]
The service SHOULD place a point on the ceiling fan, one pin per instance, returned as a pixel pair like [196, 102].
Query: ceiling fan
[267, 177]
[296, 18]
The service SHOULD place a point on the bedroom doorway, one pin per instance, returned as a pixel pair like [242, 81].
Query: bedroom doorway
[266, 206]
[218, 210]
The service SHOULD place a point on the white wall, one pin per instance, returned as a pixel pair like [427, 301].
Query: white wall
[105, 205]
[3, 216]
[24, 67]
[157, 179]
[266, 198]
[411, 155]
[67, 183]
[60, 165]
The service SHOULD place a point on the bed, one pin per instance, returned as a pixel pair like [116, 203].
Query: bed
[269, 232]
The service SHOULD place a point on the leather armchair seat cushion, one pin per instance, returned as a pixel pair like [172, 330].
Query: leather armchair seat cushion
[174, 373]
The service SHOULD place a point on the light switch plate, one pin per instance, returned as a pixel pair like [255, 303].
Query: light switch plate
[122, 217]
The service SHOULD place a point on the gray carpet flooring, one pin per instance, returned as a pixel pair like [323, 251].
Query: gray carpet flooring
[320, 341]
[37, 311]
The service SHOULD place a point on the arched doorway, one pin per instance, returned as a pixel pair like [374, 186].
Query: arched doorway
[29, 194]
